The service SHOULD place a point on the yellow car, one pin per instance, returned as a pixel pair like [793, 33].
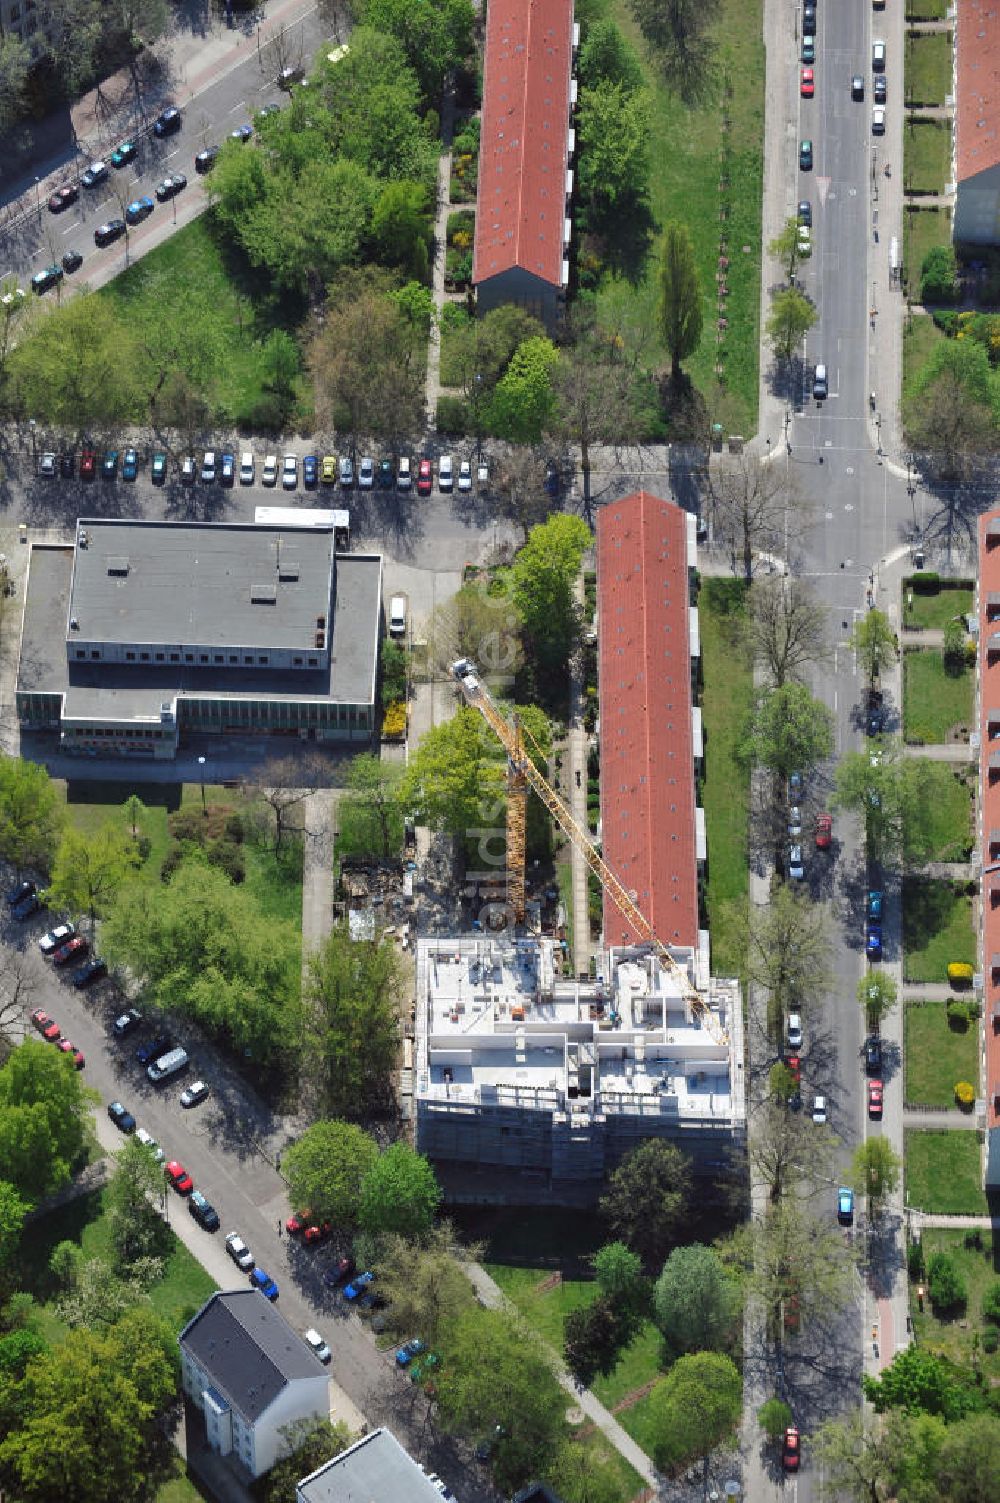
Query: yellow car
[328, 473]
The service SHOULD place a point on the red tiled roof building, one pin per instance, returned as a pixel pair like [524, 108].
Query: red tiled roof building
[651, 830]
[989, 822]
[522, 217]
[977, 123]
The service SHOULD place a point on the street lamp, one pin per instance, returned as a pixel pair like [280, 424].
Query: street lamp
[34, 450]
[38, 197]
[201, 770]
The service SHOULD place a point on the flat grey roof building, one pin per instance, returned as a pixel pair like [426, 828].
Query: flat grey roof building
[376, 1469]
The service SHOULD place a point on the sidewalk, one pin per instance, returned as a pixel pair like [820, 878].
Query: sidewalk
[432, 388]
[946, 1121]
[577, 773]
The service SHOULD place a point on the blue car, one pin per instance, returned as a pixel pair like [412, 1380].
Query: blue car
[130, 464]
[310, 471]
[874, 908]
[264, 1282]
[227, 469]
[139, 209]
[845, 1205]
[873, 942]
[358, 1286]
[122, 1119]
[26, 908]
[408, 1351]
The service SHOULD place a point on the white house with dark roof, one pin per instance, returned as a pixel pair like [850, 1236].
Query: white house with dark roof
[250, 1375]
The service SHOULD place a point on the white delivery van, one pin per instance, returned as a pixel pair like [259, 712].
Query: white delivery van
[167, 1065]
[397, 616]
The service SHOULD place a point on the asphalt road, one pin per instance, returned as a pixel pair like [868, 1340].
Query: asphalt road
[228, 1144]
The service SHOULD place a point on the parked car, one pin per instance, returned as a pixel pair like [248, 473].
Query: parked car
[124, 154]
[264, 1282]
[793, 1030]
[171, 186]
[74, 949]
[205, 160]
[153, 1049]
[366, 473]
[125, 1022]
[92, 970]
[328, 469]
[63, 197]
[338, 1272]
[805, 212]
[158, 469]
[112, 229]
[808, 20]
[109, 465]
[194, 1094]
[875, 1098]
[795, 868]
[167, 123]
[356, 1288]
[15, 895]
[794, 822]
[139, 209]
[446, 474]
[71, 261]
[404, 473]
[880, 88]
[130, 464]
[873, 941]
[49, 943]
[66, 459]
[819, 1109]
[464, 475]
[317, 1345]
[878, 120]
[824, 831]
[189, 470]
[46, 1026]
[808, 52]
[795, 788]
[178, 1177]
[66, 1046]
[203, 1212]
[346, 473]
[88, 464]
[873, 1055]
[805, 242]
[316, 1233]
[873, 905]
[410, 1349]
[239, 1252]
[270, 473]
[26, 908]
[208, 467]
[425, 478]
[290, 472]
[807, 83]
[47, 465]
[247, 468]
[310, 471]
[790, 1450]
[96, 173]
[805, 155]
[845, 1205]
[48, 277]
[150, 1144]
[122, 1119]
[386, 475]
[242, 133]
[857, 86]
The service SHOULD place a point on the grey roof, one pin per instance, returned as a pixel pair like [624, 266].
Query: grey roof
[248, 1349]
[376, 1469]
[209, 583]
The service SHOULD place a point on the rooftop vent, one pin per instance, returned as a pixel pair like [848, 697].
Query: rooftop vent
[263, 594]
[118, 565]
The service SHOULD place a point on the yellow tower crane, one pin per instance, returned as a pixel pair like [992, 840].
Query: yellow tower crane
[521, 772]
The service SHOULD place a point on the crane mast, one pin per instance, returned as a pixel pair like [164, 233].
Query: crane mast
[522, 773]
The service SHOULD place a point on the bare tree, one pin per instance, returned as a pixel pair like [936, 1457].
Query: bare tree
[787, 947]
[284, 50]
[784, 1153]
[521, 489]
[593, 384]
[17, 986]
[787, 628]
[949, 422]
[284, 783]
[752, 506]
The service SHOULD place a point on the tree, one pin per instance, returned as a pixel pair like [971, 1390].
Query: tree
[89, 870]
[425, 1283]
[134, 810]
[17, 984]
[437, 35]
[949, 411]
[78, 370]
[542, 580]
[593, 384]
[613, 123]
[892, 791]
[939, 275]
[693, 1408]
[954, 647]
[326, 1169]
[778, 1147]
[785, 247]
[364, 367]
[454, 774]
[284, 783]
[99, 1294]
[522, 402]
[31, 814]
[863, 1461]
[608, 57]
[792, 316]
[694, 1301]
[142, 21]
[518, 483]
[679, 311]
[13, 1210]
[873, 642]
[787, 947]
[593, 1338]
[370, 813]
[968, 1462]
[133, 1203]
[15, 59]
[790, 729]
[945, 1284]
[619, 1276]
[306, 1445]
[647, 1199]
[752, 507]
[512, 1396]
[774, 1417]
[401, 229]
[87, 1413]
[877, 995]
[42, 1115]
[351, 994]
[583, 1473]
[919, 1380]
[677, 33]
[481, 626]
[876, 1170]
[400, 1195]
[788, 1254]
[788, 628]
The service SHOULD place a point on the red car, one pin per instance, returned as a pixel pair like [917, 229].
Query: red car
[425, 478]
[315, 1234]
[874, 1098]
[74, 949]
[67, 1048]
[298, 1223]
[790, 1450]
[63, 197]
[824, 831]
[795, 1065]
[46, 1027]
[807, 87]
[88, 464]
[179, 1177]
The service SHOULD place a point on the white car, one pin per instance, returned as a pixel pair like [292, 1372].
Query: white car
[290, 471]
[246, 469]
[482, 474]
[446, 474]
[795, 868]
[878, 121]
[270, 475]
[366, 473]
[148, 1141]
[208, 467]
[805, 241]
[465, 476]
[793, 1030]
[239, 1252]
[819, 1109]
[794, 822]
[55, 938]
[47, 464]
[316, 1344]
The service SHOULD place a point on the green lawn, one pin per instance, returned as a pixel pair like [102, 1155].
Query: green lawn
[947, 814]
[958, 1336]
[920, 336]
[726, 698]
[937, 929]
[932, 610]
[927, 10]
[923, 229]
[179, 1487]
[937, 1055]
[190, 270]
[926, 156]
[928, 74]
[685, 148]
[944, 1173]
[935, 702]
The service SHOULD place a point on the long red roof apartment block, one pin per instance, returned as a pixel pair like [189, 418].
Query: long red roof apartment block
[977, 123]
[525, 146]
[653, 835]
[989, 820]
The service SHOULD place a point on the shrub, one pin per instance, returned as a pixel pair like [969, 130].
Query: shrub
[991, 1303]
[234, 828]
[774, 1417]
[958, 1015]
[915, 1261]
[928, 581]
[945, 1284]
[227, 855]
[991, 1339]
[938, 275]
[452, 415]
[462, 228]
[965, 1093]
[394, 721]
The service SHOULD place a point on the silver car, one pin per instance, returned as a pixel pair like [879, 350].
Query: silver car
[290, 472]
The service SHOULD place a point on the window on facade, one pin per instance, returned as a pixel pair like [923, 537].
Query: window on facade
[144, 657]
[96, 654]
[234, 657]
[262, 660]
[189, 657]
[130, 657]
[297, 662]
[204, 657]
[220, 657]
[161, 657]
[175, 657]
[312, 662]
[81, 652]
[248, 660]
